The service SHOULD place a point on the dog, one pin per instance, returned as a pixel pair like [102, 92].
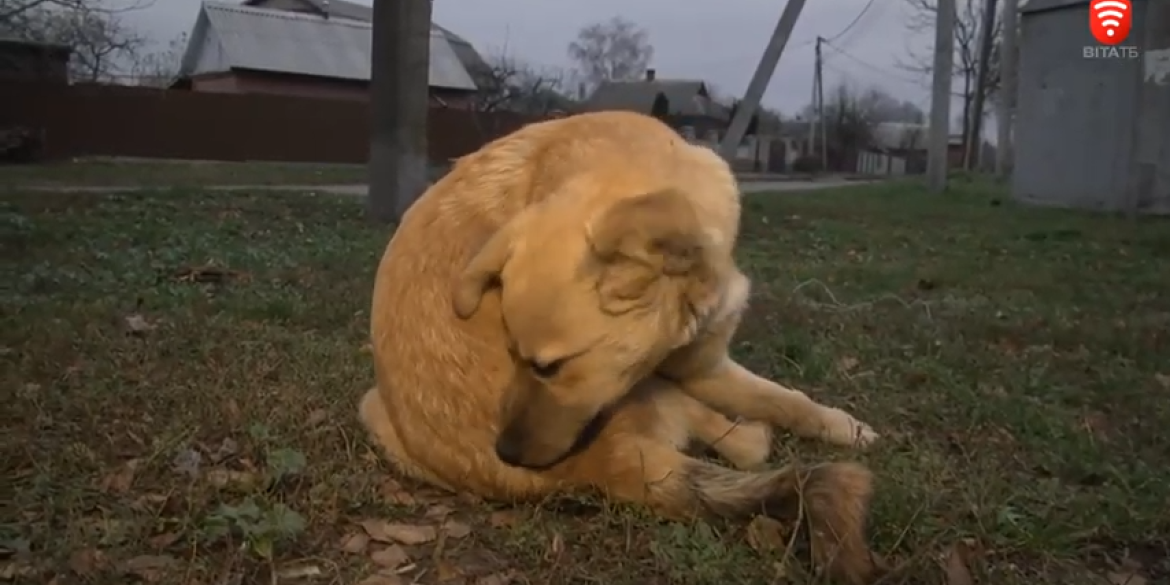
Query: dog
[554, 315]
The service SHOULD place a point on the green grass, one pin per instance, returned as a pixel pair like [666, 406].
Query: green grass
[171, 173]
[1014, 359]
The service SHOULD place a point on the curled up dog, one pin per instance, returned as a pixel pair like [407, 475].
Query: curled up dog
[554, 315]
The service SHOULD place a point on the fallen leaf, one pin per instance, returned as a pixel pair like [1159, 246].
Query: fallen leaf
[120, 480]
[393, 492]
[503, 518]
[556, 546]
[161, 541]
[456, 529]
[382, 579]
[242, 481]
[355, 543]
[448, 571]
[390, 557]
[438, 511]
[847, 364]
[300, 572]
[408, 534]
[317, 417]
[188, 462]
[149, 568]
[1163, 380]
[137, 324]
[766, 535]
[1126, 578]
[955, 564]
[497, 578]
[87, 562]
[227, 448]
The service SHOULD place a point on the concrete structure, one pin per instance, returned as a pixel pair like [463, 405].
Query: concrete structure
[1076, 121]
[245, 49]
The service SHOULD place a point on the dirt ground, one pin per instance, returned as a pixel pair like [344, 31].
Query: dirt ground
[181, 368]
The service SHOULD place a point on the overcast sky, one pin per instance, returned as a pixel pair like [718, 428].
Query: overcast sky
[717, 42]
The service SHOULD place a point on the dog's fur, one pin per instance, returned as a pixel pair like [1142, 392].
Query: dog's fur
[563, 301]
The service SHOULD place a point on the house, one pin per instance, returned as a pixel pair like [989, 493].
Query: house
[22, 60]
[685, 104]
[1075, 127]
[245, 49]
[472, 61]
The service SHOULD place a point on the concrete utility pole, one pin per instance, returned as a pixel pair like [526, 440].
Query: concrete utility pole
[974, 146]
[1150, 177]
[759, 82]
[1008, 82]
[813, 117]
[940, 102]
[399, 88]
[821, 107]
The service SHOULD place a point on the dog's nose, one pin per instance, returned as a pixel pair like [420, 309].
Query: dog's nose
[508, 450]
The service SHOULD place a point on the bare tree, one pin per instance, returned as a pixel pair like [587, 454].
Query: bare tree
[513, 85]
[103, 47]
[160, 68]
[613, 50]
[968, 21]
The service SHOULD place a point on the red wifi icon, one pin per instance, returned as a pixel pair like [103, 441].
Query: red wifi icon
[1110, 20]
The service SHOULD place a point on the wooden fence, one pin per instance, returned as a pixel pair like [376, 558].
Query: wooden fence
[97, 120]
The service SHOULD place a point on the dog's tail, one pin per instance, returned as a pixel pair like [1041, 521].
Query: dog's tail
[832, 499]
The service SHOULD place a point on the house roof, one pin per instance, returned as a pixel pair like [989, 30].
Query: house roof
[472, 60]
[686, 97]
[231, 36]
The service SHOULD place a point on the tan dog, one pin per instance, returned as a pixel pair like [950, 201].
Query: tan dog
[554, 315]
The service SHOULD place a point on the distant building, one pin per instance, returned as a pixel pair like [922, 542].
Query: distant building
[246, 49]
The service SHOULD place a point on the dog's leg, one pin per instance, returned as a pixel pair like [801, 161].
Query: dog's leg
[733, 389]
[637, 459]
[744, 444]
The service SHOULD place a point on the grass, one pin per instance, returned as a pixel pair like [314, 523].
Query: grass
[140, 173]
[181, 369]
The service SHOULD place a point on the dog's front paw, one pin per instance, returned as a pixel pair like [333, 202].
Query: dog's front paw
[841, 428]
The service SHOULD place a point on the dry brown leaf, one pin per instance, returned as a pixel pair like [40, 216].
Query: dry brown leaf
[556, 546]
[448, 571]
[242, 481]
[456, 529]
[161, 541]
[956, 565]
[317, 417]
[87, 562]
[497, 578]
[121, 479]
[300, 572]
[149, 568]
[137, 324]
[438, 511]
[1163, 380]
[503, 518]
[1125, 578]
[766, 535]
[847, 364]
[393, 492]
[355, 543]
[390, 557]
[408, 534]
[382, 579]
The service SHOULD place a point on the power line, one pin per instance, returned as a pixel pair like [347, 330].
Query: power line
[883, 70]
[852, 24]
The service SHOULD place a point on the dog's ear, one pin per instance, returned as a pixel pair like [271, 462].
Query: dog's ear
[642, 239]
[482, 271]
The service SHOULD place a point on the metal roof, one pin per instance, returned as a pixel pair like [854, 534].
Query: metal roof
[684, 97]
[231, 36]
